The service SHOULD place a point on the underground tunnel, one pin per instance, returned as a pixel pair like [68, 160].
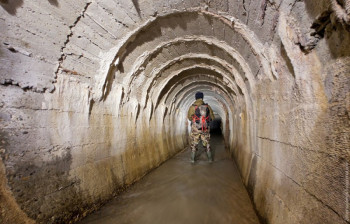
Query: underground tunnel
[95, 94]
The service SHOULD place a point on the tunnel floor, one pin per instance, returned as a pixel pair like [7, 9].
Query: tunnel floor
[181, 192]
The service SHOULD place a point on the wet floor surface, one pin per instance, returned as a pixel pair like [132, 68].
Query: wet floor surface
[181, 192]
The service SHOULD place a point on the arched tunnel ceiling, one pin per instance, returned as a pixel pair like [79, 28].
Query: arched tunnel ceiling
[216, 99]
[204, 72]
[95, 86]
[170, 50]
[178, 84]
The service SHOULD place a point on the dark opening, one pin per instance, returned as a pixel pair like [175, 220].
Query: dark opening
[215, 126]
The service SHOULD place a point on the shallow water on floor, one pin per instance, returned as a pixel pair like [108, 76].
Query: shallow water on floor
[181, 192]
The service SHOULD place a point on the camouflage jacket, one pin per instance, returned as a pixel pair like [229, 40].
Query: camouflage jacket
[192, 108]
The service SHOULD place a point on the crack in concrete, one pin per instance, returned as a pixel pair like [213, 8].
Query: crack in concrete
[323, 203]
[302, 187]
[244, 6]
[63, 55]
[341, 157]
[263, 11]
[25, 87]
[246, 12]
[284, 143]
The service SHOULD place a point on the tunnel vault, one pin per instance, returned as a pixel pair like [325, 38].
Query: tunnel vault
[94, 95]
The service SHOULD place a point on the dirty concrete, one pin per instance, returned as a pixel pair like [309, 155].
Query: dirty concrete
[181, 192]
[94, 95]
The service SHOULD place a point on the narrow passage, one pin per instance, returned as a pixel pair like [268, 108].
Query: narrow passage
[180, 192]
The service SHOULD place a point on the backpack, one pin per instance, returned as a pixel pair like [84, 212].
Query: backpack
[201, 117]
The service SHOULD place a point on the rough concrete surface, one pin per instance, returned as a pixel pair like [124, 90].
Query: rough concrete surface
[94, 95]
[181, 192]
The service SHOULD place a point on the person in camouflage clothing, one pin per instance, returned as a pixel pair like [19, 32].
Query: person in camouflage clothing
[200, 129]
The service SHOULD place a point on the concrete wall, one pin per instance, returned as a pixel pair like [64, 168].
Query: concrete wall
[94, 94]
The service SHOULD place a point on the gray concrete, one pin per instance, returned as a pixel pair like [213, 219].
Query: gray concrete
[94, 94]
[180, 192]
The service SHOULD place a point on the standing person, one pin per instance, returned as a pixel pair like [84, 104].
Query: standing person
[200, 114]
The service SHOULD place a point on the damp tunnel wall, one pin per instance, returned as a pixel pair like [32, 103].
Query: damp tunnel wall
[95, 94]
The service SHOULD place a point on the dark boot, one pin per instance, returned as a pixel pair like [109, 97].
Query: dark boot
[210, 157]
[193, 156]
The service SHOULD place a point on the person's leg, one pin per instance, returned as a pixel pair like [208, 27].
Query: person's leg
[195, 137]
[205, 136]
[206, 143]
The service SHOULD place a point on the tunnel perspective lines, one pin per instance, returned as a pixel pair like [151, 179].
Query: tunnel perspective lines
[144, 69]
[144, 85]
[94, 95]
[171, 94]
[151, 47]
[158, 71]
[158, 66]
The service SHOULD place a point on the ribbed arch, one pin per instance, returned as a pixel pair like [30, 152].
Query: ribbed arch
[170, 94]
[202, 73]
[144, 45]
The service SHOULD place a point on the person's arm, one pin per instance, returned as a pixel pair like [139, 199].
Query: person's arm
[190, 113]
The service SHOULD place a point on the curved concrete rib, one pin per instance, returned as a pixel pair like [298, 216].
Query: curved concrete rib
[233, 78]
[187, 72]
[219, 104]
[116, 56]
[215, 88]
[142, 61]
[171, 92]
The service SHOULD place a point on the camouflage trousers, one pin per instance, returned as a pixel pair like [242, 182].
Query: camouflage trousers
[197, 135]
